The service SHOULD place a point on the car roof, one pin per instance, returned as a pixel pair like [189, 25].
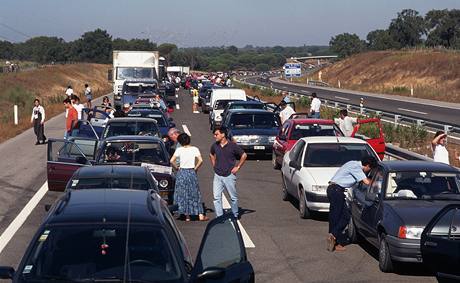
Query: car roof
[245, 102]
[417, 165]
[130, 119]
[332, 139]
[108, 206]
[249, 111]
[102, 171]
[133, 138]
[301, 121]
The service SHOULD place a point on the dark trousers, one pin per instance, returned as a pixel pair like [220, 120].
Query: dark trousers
[339, 215]
[39, 130]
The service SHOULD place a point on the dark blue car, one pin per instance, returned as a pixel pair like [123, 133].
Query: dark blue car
[164, 123]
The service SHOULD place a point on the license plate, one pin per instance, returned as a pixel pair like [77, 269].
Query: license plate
[259, 147]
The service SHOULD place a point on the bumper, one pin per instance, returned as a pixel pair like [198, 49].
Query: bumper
[257, 149]
[317, 202]
[404, 250]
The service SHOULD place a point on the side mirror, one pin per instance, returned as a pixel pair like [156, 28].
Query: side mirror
[47, 207]
[294, 164]
[7, 272]
[212, 273]
[81, 160]
[282, 137]
[173, 208]
[373, 197]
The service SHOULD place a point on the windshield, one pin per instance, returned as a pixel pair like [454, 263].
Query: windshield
[301, 131]
[97, 252]
[221, 104]
[127, 73]
[161, 122]
[261, 120]
[334, 154]
[139, 89]
[422, 184]
[134, 153]
[116, 182]
[131, 128]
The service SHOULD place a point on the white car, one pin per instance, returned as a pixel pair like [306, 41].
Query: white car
[311, 163]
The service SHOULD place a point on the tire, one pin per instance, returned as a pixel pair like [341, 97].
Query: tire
[385, 261]
[353, 232]
[304, 212]
[285, 194]
[275, 164]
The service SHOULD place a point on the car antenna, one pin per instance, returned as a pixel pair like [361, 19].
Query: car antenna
[127, 267]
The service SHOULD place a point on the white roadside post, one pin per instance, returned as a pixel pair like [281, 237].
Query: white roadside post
[15, 114]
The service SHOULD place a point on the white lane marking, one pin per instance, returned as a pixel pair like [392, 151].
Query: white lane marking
[177, 106]
[22, 217]
[248, 243]
[186, 130]
[304, 91]
[342, 98]
[177, 95]
[413, 111]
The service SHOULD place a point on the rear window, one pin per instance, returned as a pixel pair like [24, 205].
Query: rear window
[246, 106]
[301, 131]
[334, 154]
[102, 183]
[221, 104]
[261, 120]
[132, 152]
[131, 128]
[147, 114]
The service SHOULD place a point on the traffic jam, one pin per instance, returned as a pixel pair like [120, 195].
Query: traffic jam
[115, 220]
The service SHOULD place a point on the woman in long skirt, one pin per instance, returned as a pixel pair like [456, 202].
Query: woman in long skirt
[187, 193]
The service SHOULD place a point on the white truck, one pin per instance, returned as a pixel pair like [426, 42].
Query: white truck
[133, 65]
[178, 70]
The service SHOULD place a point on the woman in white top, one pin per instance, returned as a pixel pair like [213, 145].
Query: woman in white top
[187, 193]
[438, 144]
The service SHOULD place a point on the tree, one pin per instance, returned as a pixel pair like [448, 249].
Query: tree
[407, 29]
[380, 40]
[443, 27]
[43, 49]
[166, 49]
[262, 67]
[94, 46]
[7, 50]
[346, 44]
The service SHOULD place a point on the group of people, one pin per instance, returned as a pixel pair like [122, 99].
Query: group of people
[287, 110]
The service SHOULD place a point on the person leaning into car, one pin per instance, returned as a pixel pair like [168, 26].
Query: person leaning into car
[347, 176]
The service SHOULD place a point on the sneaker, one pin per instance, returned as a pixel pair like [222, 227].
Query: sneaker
[330, 242]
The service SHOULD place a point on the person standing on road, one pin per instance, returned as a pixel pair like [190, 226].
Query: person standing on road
[346, 122]
[195, 97]
[347, 176]
[315, 106]
[88, 95]
[38, 120]
[71, 119]
[69, 91]
[224, 154]
[438, 145]
[286, 112]
[187, 193]
[75, 100]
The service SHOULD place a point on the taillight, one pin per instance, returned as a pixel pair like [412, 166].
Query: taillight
[402, 233]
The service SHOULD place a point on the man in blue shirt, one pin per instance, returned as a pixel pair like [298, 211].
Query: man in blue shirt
[348, 175]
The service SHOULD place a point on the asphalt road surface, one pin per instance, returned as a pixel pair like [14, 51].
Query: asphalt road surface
[286, 248]
[435, 111]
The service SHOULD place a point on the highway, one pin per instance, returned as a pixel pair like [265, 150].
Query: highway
[428, 110]
[281, 246]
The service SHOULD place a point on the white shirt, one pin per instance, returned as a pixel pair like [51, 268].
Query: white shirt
[69, 92]
[346, 125]
[35, 111]
[187, 156]
[79, 108]
[87, 91]
[315, 104]
[286, 113]
[440, 154]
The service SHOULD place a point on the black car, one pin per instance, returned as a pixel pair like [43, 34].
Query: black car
[113, 176]
[164, 122]
[440, 243]
[393, 210]
[168, 91]
[242, 104]
[204, 97]
[254, 130]
[131, 126]
[127, 236]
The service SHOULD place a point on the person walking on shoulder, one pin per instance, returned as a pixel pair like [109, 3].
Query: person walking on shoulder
[69, 91]
[315, 106]
[438, 145]
[224, 154]
[88, 95]
[38, 120]
[187, 193]
[71, 119]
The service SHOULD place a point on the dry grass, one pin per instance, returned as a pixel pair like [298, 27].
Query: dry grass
[433, 74]
[48, 84]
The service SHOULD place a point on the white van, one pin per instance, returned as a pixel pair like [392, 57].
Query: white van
[220, 97]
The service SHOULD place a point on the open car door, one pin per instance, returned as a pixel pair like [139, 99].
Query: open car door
[371, 131]
[222, 255]
[440, 242]
[65, 157]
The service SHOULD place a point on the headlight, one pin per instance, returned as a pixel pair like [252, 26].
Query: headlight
[271, 139]
[164, 183]
[410, 232]
[318, 188]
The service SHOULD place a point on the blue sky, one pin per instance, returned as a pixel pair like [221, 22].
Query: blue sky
[204, 22]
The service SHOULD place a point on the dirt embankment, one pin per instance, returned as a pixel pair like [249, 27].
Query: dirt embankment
[432, 74]
[48, 84]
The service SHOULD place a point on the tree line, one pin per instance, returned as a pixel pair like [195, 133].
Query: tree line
[97, 46]
[438, 28]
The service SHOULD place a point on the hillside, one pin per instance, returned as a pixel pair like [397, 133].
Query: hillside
[48, 83]
[432, 74]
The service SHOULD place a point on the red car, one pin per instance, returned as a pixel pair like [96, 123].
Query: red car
[296, 128]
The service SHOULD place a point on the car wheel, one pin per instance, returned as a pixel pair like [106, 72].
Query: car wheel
[385, 261]
[303, 209]
[276, 165]
[353, 232]
[285, 195]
